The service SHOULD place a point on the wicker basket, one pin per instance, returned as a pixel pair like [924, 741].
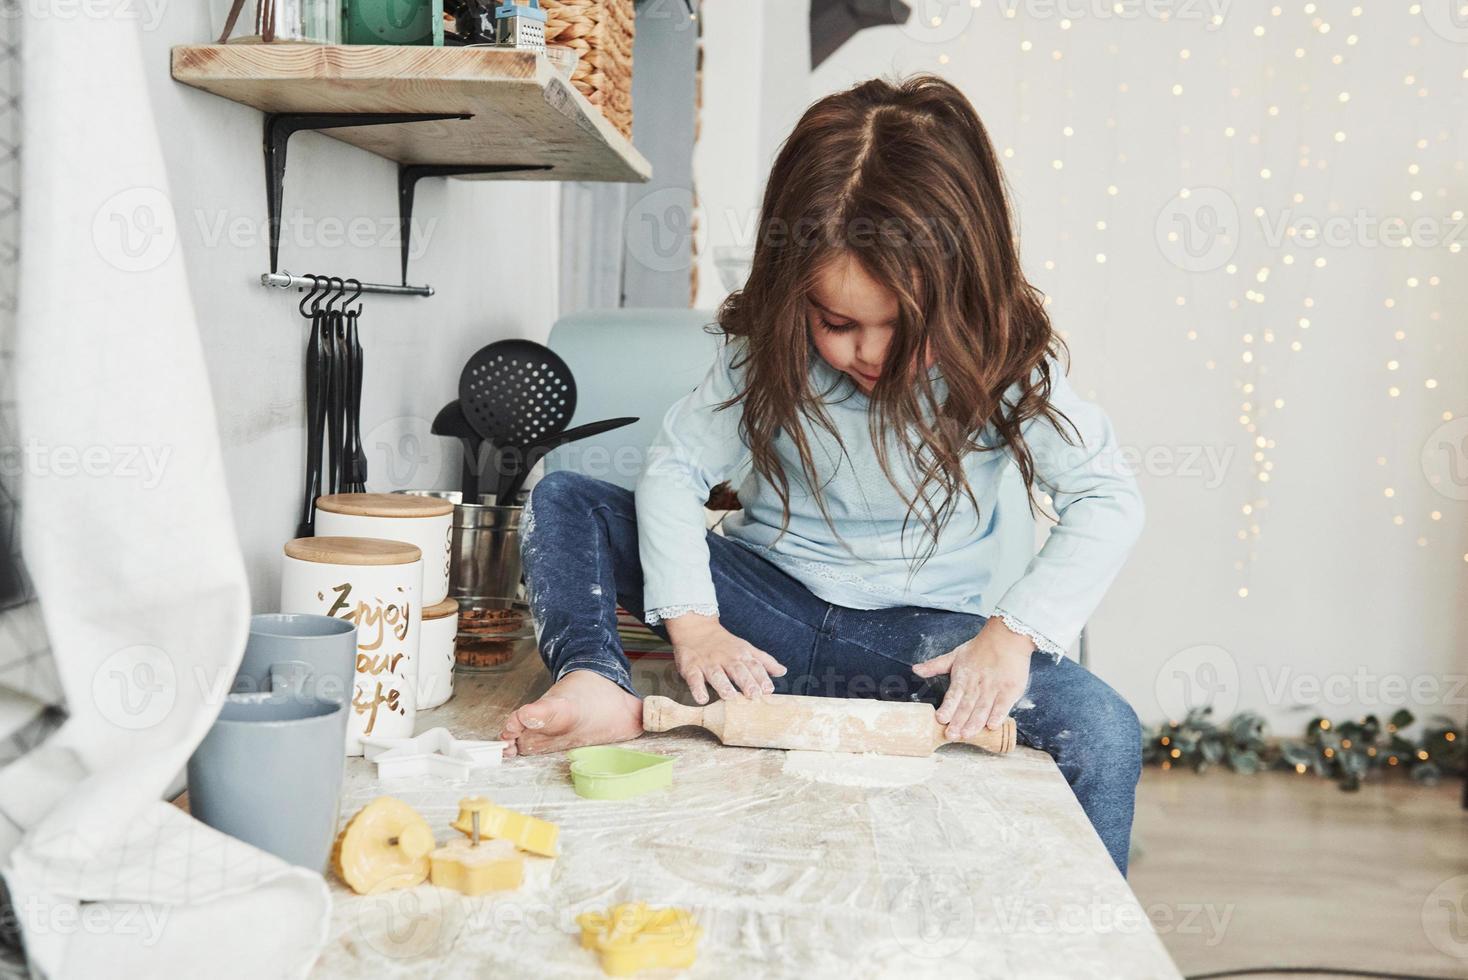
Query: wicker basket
[602, 31]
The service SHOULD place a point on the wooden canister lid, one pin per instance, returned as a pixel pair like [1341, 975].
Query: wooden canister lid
[383, 505]
[442, 610]
[353, 551]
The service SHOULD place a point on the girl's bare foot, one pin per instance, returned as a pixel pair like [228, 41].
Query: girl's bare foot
[581, 708]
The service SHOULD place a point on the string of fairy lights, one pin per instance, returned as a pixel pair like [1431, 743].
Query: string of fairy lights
[1277, 308]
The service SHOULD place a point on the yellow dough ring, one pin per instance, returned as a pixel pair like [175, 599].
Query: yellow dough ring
[385, 846]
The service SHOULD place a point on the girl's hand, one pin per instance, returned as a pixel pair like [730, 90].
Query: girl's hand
[708, 654]
[987, 674]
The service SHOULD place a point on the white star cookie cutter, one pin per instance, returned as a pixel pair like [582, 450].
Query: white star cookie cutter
[433, 753]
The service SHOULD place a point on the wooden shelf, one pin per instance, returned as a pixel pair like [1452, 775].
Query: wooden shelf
[523, 111]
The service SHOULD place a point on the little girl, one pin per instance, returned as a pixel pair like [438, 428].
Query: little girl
[863, 552]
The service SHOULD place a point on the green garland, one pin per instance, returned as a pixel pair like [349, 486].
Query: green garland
[1347, 751]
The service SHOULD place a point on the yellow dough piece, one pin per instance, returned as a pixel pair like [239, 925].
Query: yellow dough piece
[492, 866]
[384, 846]
[525, 832]
[634, 936]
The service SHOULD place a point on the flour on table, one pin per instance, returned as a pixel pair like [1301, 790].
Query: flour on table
[859, 769]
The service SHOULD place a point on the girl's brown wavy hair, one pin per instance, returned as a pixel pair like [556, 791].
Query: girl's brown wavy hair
[902, 177]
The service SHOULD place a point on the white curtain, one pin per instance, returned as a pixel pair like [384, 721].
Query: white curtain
[128, 537]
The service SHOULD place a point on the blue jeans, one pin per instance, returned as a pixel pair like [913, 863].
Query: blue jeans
[580, 556]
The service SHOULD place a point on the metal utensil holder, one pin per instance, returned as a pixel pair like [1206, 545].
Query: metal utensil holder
[485, 550]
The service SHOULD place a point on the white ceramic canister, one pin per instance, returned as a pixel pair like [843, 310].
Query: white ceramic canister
[436, 653]
[375, 584]
[424, 521]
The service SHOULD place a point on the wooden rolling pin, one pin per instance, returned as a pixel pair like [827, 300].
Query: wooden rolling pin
[790, 721]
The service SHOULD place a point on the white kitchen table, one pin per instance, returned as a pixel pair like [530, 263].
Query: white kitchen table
[985, 868]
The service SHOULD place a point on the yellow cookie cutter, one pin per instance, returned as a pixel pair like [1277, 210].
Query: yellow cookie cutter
[383, 847]
[634, 936]
[525, 832]
[476, 869]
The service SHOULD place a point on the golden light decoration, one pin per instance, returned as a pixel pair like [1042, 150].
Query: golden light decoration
[1283, 148]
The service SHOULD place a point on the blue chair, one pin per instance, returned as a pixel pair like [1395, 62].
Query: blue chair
[640, 361]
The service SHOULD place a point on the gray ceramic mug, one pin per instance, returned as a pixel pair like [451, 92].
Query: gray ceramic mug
[300, 654]
[270, 774]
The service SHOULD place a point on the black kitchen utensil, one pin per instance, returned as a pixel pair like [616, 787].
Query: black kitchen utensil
[356, 478]
[335, 461]
[315, 408]
[335, 402]
[517, 392]
[520, 396]
[450, 422]
[519, 469]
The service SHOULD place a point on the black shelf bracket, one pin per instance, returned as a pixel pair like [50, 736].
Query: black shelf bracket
[280, 126]
[410, 173]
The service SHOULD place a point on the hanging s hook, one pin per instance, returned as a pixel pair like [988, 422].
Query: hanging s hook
[316, 303]
[336, 287]
[357, 286]
[315, 284]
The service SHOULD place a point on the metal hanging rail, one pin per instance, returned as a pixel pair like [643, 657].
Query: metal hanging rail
[284, 280]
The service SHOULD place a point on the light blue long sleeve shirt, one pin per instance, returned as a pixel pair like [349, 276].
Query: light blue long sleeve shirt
[1094, 495]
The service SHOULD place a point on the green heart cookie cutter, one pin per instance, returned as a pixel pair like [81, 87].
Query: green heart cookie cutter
[605, 772]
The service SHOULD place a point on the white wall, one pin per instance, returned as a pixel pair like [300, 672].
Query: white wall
[253, 337]
[1346, 609]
